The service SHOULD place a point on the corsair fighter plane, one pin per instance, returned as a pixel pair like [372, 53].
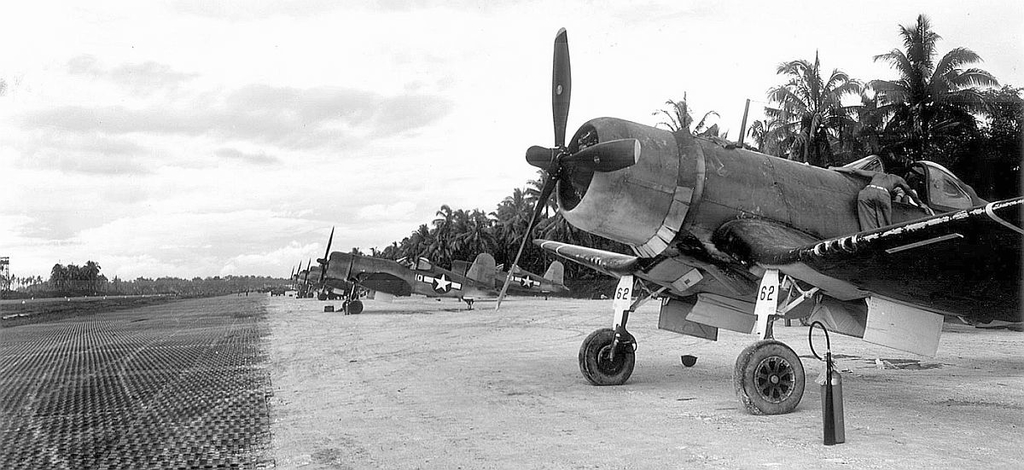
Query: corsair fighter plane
[390, 277]
[731, 238]
[523, 282]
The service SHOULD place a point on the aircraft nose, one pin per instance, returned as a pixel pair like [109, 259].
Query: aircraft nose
[642, 205]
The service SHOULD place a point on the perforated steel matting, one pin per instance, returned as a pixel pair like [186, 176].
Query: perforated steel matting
[181, 385]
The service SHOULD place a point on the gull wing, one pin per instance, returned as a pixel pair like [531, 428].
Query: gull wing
[964, 263]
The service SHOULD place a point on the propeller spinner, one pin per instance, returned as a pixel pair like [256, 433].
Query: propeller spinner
[604, 156]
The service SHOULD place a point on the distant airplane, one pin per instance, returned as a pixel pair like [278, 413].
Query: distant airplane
[303, 279]
[713, 226]
[524, 282]
[390, 277]
[329, 288]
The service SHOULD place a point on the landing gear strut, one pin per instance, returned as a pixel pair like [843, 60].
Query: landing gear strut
[608, 355]
[769, 377]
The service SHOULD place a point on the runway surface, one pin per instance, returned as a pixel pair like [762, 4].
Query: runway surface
[180, 385]
[261, 382]
[418, 383]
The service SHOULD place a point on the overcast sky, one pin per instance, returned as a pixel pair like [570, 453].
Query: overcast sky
[199, 138]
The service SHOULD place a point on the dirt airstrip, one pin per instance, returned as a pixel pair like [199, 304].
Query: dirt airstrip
[418, 383]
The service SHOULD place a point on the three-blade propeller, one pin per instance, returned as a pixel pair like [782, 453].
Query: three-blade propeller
[604, 156]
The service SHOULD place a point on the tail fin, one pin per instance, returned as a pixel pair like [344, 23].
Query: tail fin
[556, 273]
[482, 270]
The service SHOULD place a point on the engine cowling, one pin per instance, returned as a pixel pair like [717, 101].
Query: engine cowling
[643, 205]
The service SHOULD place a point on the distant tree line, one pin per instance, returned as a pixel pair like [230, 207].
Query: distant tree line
[74, 280]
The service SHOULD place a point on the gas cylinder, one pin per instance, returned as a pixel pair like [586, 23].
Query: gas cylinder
[832, 404]
[834, 431]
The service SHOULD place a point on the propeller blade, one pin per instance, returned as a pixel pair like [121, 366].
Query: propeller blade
[324, 262]
[606, 156]
[561, 86]
[542, 202]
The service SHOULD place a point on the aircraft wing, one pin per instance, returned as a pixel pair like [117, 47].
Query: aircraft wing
[610, 263]
[966, 262]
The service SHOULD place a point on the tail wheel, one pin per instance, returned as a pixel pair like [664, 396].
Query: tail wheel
[597, 363]
[355, 307]
[769, 378]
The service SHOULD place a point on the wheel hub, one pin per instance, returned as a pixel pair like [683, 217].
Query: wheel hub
[774, 378]
[605, 361]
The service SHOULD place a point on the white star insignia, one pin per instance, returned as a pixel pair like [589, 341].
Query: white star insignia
[442, 284]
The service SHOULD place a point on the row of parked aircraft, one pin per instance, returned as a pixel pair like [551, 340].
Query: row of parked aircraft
[729, 238]
[349, 276]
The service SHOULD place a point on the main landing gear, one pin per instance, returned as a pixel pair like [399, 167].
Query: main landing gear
[768, 377]
[352, 307]
[608, 355]
[605, 361]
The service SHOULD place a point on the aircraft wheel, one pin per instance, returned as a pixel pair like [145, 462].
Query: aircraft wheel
[321, 296]
[355, 307]
[596, 363]
[769, 378]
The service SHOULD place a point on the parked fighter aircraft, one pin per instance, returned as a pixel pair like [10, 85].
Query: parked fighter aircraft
[524, 282]
[303, 279]
[712, 226]
[326, 288]
[419, 277]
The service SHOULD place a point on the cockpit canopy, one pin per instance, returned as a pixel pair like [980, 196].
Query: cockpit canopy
[938, 186]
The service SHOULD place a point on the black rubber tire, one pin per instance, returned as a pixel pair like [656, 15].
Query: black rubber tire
[321, 296]
[594, 363]
[769, 378]
[355, 307]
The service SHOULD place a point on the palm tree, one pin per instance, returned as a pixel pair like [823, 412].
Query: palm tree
[58, 277]
[767, 141]
[474, 234]
[929, 99]
[810, 111]
[680, 118]
[440, 251]
[417, 244]
[510, 219]
[91, 274]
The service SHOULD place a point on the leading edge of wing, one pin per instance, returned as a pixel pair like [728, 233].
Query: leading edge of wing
[771, 244]
[607, 262]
